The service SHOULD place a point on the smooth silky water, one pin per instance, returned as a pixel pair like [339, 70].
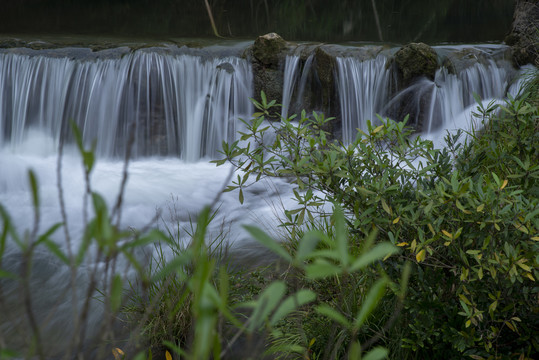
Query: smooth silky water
[179, 108]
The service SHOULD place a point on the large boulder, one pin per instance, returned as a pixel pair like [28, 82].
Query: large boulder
[415, 60]
[268, 49]
[524, 36]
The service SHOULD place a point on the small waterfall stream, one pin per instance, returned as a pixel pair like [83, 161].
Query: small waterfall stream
[363, 90]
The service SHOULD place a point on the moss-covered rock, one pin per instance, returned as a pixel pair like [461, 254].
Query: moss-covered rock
[415, 60]
[524, 36]
[268, 49]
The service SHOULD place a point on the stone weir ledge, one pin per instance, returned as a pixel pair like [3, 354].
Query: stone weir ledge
[316, 87]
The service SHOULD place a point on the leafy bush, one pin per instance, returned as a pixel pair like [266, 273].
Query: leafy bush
[467, 216]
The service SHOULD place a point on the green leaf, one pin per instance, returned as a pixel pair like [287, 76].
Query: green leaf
[154, 236]
[268, 242]
[371, 301]
[116, 291]
[55, 249]
[377, 353]
[326, 310]
[380, 251]
[141, 356]
[174, 266]
[321, 268]
[265, 304]
[48, 233]
[341, 235]
[292, 303]
[355, 351]
[7, 275]
[33, 187]
[307, 244]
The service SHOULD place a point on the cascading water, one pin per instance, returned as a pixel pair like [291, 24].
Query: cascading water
[363, 90]
[433, 106]
[296, 77]
[289, 83]
[173, 105]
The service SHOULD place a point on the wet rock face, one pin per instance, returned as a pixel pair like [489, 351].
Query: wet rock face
[415, 60]
[524, 36]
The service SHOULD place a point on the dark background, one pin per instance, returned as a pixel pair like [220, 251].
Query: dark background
[431, 21]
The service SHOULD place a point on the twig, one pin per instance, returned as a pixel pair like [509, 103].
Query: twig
[210, 15]
[377, 20]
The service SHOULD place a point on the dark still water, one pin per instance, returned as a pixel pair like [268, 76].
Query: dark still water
[397, 21]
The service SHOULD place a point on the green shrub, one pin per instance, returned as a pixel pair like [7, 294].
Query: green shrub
[469, 225]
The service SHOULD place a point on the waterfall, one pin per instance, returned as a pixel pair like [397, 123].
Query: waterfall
[296, 77]
[291, 69]
[170, 105]
[452, 93]
[363, 90]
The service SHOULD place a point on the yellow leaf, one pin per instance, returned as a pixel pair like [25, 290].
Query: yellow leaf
[402, 244]
[311, 343]
[468, 323]
[535, 238]
[496, 226]
[431, 229]
[386, 207]
[525, 267]
[420, 255]
[465, 299]
[447, 243]
[118, 354]
[413, 245]
[168, 356]
[448, 234]
[480, 208]
[377, 129]
[530, 276]
[464, 274]
[521, 227]
[504, 184]
[396, 220]
[510, 326]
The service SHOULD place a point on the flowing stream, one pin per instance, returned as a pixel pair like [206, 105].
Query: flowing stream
[174, 111]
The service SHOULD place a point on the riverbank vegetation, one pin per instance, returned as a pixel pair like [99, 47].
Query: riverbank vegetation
[465, 217]
[394, 250]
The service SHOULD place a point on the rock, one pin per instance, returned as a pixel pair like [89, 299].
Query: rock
[267, 54]
[524, 36]
[268, 49]
[226, 67]
[11, 43]
[415, 60]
